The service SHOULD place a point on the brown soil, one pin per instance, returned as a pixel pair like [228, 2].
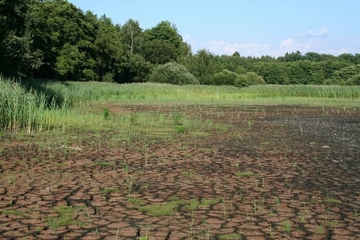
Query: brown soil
[279, 172]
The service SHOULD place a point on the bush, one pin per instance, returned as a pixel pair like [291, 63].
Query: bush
[224, 77]
[255, 79]
[354, 80]
[241, 81]
[108, 77]
[172, 73]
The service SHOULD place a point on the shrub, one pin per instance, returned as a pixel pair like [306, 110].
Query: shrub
[224, 77]
[241, 81]
[354, 80]
[255, 79]
[172, 73]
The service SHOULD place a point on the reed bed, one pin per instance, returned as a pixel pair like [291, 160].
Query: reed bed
[19, 109]
[49, 105]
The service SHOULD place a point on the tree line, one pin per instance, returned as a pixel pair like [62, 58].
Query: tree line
[54, 39]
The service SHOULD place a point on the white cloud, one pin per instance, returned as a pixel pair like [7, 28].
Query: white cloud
[290, 45]
[187, 38]
[322, 32]
[247, 48]
[344, 50]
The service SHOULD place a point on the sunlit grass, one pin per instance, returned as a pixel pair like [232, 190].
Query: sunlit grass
[68, 105]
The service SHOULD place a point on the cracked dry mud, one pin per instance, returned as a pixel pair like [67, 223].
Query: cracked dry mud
[279, 172]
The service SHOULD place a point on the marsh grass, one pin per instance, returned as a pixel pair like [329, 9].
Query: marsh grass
[38, 106]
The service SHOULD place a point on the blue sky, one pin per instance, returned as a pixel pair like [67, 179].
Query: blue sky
[251, 27]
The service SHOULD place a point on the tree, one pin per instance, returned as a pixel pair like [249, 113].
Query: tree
[137, 69]
[130, 35]
[272, 72]
[202, 66]
[158, 51]
[109, 54]
[162, 44]
[53, 34]
[345, 73]
[17, 57]
[293, 56]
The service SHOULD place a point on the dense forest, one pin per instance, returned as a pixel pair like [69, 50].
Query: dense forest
[54, 39]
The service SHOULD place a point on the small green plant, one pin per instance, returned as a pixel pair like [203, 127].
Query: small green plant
[277, 202]
[286, 226]
[223, 204]
[319, 230]
[272, 212]
[254, 202]
[126, 168]
[106, 113]
[178, 126]
[332, 224]
[129, 183]
[250, 124]
[179, 129]
[356, 214]
[301, 218]
[145, 236]
[133, 120]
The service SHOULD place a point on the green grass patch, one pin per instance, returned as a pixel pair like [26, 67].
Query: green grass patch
[110, 190]
[65, 218]
[191, 205]
[135, 201]
[164, 209]
[231, 236]
[174, 204]
[208, 202]
[332, 224]
[13, 212]
[332, 200]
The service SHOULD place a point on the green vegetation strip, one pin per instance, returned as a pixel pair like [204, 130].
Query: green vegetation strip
[172, 205]
[65, 218]
[69, 105]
